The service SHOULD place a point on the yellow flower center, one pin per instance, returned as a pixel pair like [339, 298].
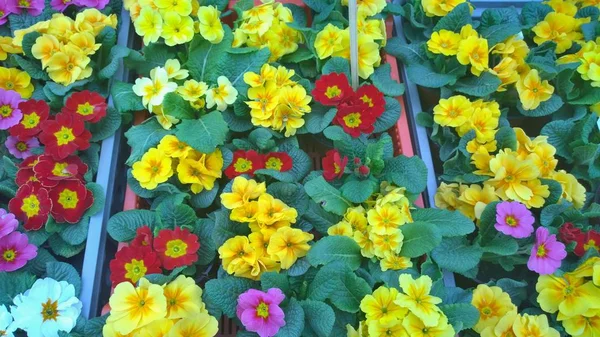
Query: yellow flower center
[444, 44]
[509, 178]
[50, 310]
[59, 170]
[68, 199]
[10, 85]
[176, 248]
[64, 136]
[242, 165]
[336, 168]
[9, 255]
[541, 251]
[135, 270]
[262, 310]
[452, 113]
[511, 221]
[425, 331]
[30, 120]
[591, 244]
[368, 100]
[21, 146]
[274, 164]
[352, 120]
[6, 110]
[486, 311]
[70, 66]
[31, 206]
[85, 109]
[333, 91]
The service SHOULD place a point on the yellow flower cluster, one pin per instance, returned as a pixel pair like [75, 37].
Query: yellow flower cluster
[7, 47]
[157, 165]
[574, 296]
[515, 176]
[498, 316]
[589, 56]
[468, 46]
[276, 101]
[376, 228]
[440, 7]
[16, 80]
[66, 45]
[172, 310]
[560, 26]
[265, 26]
[411, 312]
[333, 41]
[273, 244]
[512, 66]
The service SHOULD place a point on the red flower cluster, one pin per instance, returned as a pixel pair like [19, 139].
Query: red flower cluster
[34, 114]
[49, 186]
[357, 111]
[148, 255]
[569, 233]
[333, 165]
[247, 162]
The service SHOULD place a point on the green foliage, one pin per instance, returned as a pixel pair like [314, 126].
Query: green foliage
[335, 248]
[13, 284]
[203, 134]
[319, 318]
[223, 293]
[456, 19]
[123, 225]
[457, 255]
[408, 172]
[61, 271]
[419, 238]
[448, 223]
[478, 86]
[383, 81]
[327, 196]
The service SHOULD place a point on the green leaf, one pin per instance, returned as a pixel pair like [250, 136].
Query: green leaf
[555, 191]
[29, 40]
[462, 316]
[390, 116]
[588, 96]
[455, 254]
[144, 136]
[325, 281]
[203, 134]
[351, 289]
[61, 248]
[546, 108]
[61, 271]
[208, 250]
[94, 326]
[506, 138]
[124, 98]
[226, 229]
[116, 54]
[319, 318]
[152, 56]
[327, 196]
[301, 54]
[292, 194]
[205, 198]
[319, 118]
[337, 65]
[498, 24]
[484, 85]
[409, 54]
[294, 320]
[534, 12]
[358, 191]
[408, 172]
[516, 289]
[559, 135]
[551, 212]
[225, 292]
[487, 231]
[459, 17]
[123, 225]
[419, 238]
[448, 223]
[62, 90]
[33, 68]
[13, 284]
[37, 266]
[383, 81]
[75, 234]
[424, 75]
[175, 215]
[270, 280]
[107, 126]
[301, 165]
[204, 57]
[502, 245]
[178, 107]
[335, 248]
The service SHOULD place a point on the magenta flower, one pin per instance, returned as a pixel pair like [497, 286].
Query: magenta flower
[260, 311]
[514, 219]
[15, 251]
[7, 7]
[8, 223]
[61, 5]
[21, 149]
[32, 7]
[10, 114]
[98, 4]
[547, 253]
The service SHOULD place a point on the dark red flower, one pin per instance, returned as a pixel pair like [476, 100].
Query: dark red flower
[569, 233]
[132, 263]
[591, 239]
[70, 199]
[364, 170]
[278, 161]
[64, 135]
[87, 105]
[371, 96]
[143, 237]
[50, 172]
[31, 206]
[244, 162]
[176, 248]
[331, 89]
[25, 173]
[355, 119]
[34, 114]
[333, 165]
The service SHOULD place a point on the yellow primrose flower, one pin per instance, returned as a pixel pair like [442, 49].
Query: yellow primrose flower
[481, 160]
[570, 295]
[192, 90]
[179, 7]
[287, 118]
[7, 47]
[468, 31]
[363, 240]
[174, 70]
[237, 255]
[86, 42]
[242, 191]
[360, 332]
[474, 51]
[239, 38]
[368, 7]
[45, 46]
[149, 25]
[446, 196]
[282, 36]
[165, 120]
[356, 217]
[177, 29]
[454, 111]
[108, 330]
[158, 328]
[374, 28]
[385, 219]
[527, 325]
[184, 298]
[383, 243]
[368, 56]
[415, 296]
[380, 306]
[510, 173]
[341, 228]
[504, 327]
[197, 325]
[264, 11]
[201, 171]
[513, 47]
[173, 147]
[328, 41]
[557, 27]
[573, 191]
[543, 158]
[393, 261]
[264, 100]
[492, 304]
[506, 71]
[267, 73]
[154, 168]
[296, 98]
[153, 89]
[132, 308]
[532, 90]
[474, 199]
[62, 27]
[563, 7]
[444, 42]
[210, 25]
[246, 213]
[273, 211]
[439, 7]
[415, 327]
[68, 65]
[390, 329]
[221, 96]
[93, 20]
[16, 80]
[586, 325]
[288, 244]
